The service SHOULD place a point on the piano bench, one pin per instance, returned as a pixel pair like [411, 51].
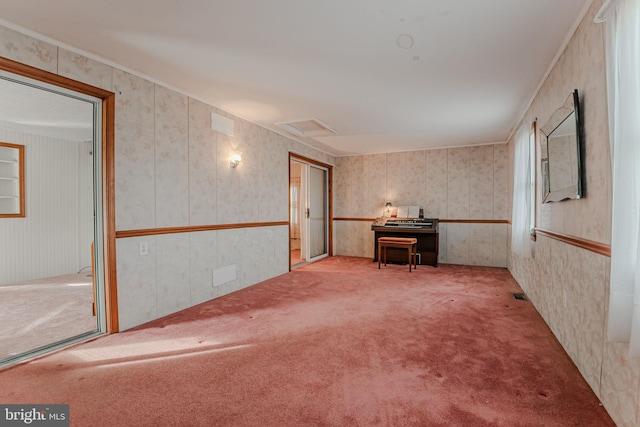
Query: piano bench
[409, 243]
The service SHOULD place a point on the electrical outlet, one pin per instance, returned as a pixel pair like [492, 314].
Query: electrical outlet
[144, 248]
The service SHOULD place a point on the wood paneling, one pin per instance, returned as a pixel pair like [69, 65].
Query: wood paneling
[590, 245]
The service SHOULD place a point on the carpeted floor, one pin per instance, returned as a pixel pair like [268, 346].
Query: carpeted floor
[295, 258]
[334, 343]
[44, 311]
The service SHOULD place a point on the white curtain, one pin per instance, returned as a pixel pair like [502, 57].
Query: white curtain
[294, 207]
[623, 84]
[521, 212]
[304, 235]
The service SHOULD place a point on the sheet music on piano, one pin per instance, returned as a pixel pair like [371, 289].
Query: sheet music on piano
[408, 212]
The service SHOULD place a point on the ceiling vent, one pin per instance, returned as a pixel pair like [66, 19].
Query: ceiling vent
[310, 128]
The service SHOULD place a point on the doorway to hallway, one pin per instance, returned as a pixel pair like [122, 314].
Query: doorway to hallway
[309, 210]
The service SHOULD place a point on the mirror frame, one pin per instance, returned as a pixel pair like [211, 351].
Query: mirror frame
[108, 173]
[576, 190]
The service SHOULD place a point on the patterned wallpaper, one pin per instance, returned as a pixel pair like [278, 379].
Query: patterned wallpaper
[568, 285]
[467, 183]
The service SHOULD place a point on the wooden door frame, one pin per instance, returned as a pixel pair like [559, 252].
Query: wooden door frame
[108, 174]
[298, 157]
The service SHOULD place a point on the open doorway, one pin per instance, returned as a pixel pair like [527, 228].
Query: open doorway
[296, 212]
[52, 276]
[309, 210]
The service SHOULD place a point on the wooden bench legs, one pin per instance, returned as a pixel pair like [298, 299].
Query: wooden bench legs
[408, 243]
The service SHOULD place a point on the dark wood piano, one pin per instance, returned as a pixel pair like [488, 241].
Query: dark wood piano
[423, 229]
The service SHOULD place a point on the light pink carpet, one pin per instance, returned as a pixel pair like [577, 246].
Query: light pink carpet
[333, 343]
[44, 311]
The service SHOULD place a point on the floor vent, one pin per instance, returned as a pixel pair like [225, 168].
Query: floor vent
[520, 297]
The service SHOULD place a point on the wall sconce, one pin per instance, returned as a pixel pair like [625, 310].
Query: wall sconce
[235, 160]
[388, 209]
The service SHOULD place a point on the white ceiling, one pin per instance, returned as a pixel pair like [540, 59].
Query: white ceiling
[41, 112]
[386, 75]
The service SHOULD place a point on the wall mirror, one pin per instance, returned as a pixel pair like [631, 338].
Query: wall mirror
[561, 153]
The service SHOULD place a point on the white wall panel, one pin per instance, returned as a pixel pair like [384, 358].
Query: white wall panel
[85, 203]
[52, 238]
[137, 281]
[171, 158]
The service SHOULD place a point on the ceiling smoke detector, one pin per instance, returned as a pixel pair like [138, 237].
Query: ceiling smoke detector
[310, 128]
[405, 41]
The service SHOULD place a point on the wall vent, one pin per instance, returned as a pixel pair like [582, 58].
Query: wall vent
[224, 275]
[223, 124]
